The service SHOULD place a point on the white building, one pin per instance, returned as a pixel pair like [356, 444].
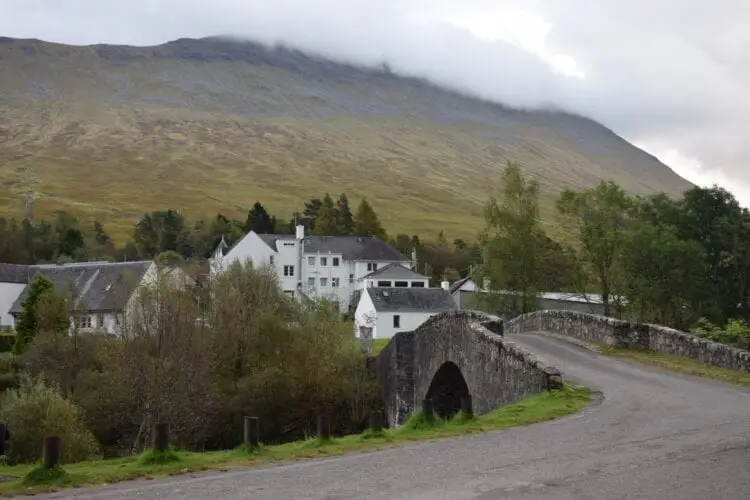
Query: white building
[462, 289]
[391, 310]
[99, 294]
[13, 280]
[318, 267]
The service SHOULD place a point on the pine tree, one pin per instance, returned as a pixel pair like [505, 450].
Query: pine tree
[345, 218]
[326, 222]
[367, 222]
[259, 220]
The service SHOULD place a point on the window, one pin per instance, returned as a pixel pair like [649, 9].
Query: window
[288, 244]
[372, 266]
[311, 282]
[288, 270]
[118, 319]
[417, 284]
[83, 321]
[289, 292]
[311, 261]
[335, 262]
[335, 282]
[401, 284]
[323, 282]
[100, 321]
[270, 259]
[384, 284]
[351, 278]
[396, 321]
[324, 261]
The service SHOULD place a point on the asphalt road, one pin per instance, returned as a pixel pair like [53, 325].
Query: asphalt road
[654, 435]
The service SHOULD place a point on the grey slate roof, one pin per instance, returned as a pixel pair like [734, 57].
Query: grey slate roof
[411, 299]
[458, 284]
[350, 247]
[394, 271]
[97, 286]
[13, 273]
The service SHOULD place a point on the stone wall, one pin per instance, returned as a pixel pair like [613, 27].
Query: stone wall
[496, 370]
[625, 334]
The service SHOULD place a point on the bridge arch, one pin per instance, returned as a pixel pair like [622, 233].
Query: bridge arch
[453, 353]
[447, 389]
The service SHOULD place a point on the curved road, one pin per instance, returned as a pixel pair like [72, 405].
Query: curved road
[654, 435]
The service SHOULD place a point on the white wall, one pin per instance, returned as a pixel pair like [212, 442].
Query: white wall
[251, 247]
[409, 321]
[9, 292]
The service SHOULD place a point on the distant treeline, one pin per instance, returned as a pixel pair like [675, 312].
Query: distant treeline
[65, 238]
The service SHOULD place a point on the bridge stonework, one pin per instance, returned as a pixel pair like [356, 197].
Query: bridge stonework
[625, 334]
[495, 370]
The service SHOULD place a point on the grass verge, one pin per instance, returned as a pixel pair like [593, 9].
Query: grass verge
[378, 345]
[538, 408]
[678, 364]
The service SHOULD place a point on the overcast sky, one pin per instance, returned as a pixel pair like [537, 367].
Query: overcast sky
[666, 74]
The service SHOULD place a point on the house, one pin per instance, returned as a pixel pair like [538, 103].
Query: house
[99, 293]
[315, 267]
[13, 280]
[391, 310]
[462, 289]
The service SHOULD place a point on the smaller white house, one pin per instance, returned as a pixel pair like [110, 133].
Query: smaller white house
[391, 310]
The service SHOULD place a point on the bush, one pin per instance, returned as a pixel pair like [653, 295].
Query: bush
[735, 333]
[6, 342]
[35, 411]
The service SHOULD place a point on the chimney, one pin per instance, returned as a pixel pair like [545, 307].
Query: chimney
[300, 232]
[445, 285]
[414, 259]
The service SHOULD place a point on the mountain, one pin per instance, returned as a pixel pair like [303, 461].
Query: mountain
[216, 124]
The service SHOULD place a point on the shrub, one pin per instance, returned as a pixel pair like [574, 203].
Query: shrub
[36, 410]
[6, 342]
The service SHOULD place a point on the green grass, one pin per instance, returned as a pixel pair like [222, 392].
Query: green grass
[678, 364]
[378, 345]
[537, 408]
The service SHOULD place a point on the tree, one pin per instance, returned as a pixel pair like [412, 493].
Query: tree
[512, 244]
[159, 231]
[326, 222]
[600, 217]
[28, 320]
[345, 219]
[366, 222]
[69, 236]
[259, 220]
[658, 277]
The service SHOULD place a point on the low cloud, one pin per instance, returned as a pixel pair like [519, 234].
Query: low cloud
[666, 74]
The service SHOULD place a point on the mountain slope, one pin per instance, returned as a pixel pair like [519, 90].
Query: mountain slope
[213, 124]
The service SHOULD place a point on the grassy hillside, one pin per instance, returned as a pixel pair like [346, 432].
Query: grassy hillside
[208, 125]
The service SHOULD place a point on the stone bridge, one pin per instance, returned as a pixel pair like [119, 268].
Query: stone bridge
[455, 354]
[461, 353]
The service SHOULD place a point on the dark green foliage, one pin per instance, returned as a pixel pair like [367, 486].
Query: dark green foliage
[366, 222]
[153, 457]
[259, 220]
[28, 321]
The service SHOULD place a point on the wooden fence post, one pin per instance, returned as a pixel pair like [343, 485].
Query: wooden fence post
[51, 452]
[4, 436]
[324, 427]
[252, 432]
[161, 437]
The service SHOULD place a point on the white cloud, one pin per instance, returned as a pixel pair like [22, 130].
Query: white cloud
[669, 74]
